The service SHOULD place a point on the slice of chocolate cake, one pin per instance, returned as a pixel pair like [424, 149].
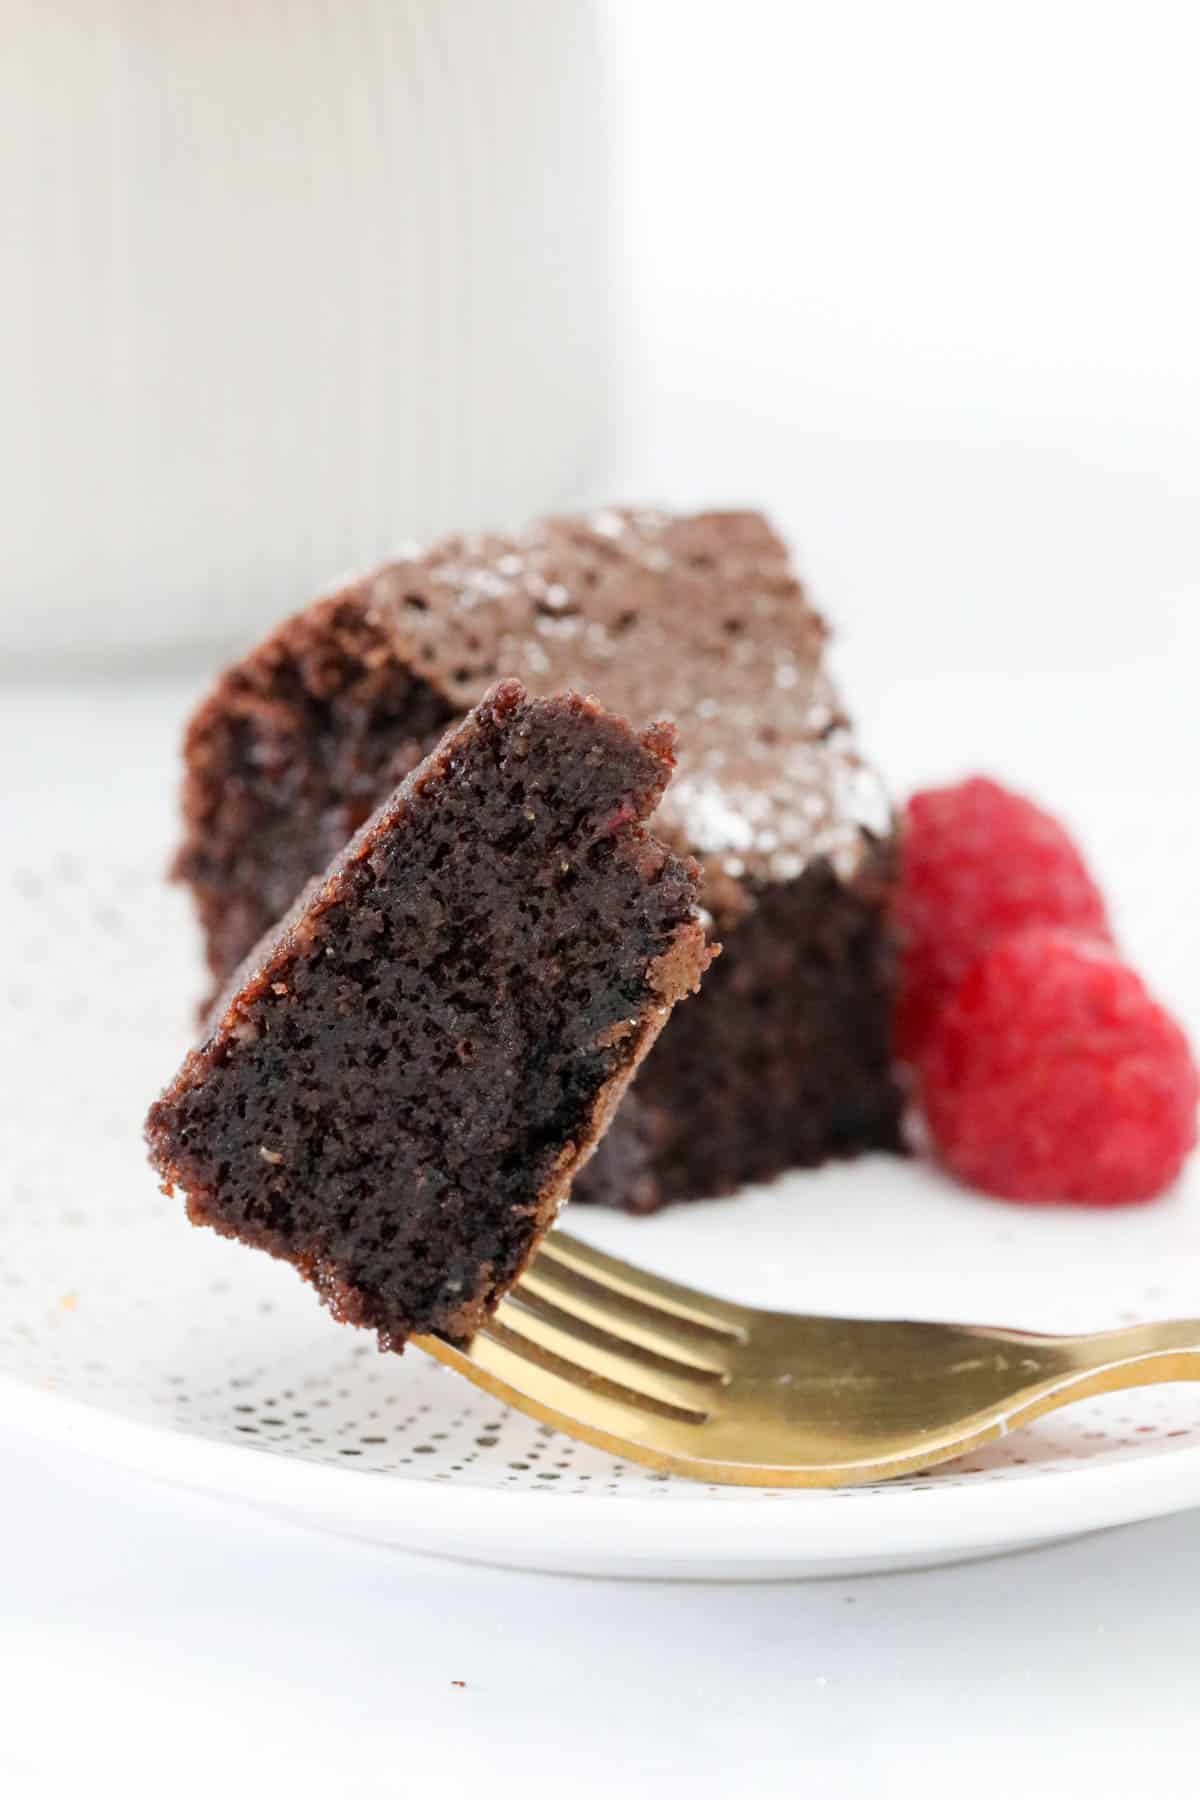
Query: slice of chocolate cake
[403, 1079]
[784, 1058]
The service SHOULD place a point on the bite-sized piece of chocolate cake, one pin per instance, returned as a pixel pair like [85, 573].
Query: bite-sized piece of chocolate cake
[784, 1058]
[402, 1080]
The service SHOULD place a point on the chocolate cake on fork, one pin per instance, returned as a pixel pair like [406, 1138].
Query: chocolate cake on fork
[400, 1084]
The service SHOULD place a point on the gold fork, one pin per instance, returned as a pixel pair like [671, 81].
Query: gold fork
[673, 1378]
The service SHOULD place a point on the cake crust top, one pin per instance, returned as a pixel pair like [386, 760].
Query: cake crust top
[699, 617]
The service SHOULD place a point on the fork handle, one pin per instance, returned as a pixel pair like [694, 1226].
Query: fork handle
[1172, 1338]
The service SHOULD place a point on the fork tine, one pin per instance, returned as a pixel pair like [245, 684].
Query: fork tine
[507, 1339]
[587, 1307]
[643, 1350]
[635, 1296]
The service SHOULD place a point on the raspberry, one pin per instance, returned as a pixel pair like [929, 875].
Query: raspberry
[978, 862]
[1052, 1074]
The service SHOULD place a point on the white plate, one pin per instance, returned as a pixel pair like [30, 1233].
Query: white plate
[133, 1337]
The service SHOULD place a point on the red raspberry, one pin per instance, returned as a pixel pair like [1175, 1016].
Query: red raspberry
[978, 862]
[1053, 1075]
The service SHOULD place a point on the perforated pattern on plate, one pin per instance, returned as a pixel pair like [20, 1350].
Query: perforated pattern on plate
[109, 1296]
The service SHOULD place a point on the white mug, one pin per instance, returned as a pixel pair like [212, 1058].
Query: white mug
[287, 282]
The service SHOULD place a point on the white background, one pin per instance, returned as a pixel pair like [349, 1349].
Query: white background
[923, 279]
